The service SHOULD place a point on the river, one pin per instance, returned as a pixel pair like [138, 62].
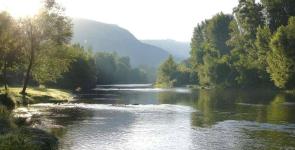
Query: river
[139, 117]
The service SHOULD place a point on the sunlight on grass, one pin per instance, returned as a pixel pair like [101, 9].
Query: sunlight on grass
[35, 95]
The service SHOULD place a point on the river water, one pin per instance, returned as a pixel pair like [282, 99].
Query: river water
[139, 117]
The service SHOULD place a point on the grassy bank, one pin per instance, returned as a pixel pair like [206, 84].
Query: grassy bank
[14, 134]
[12, 97]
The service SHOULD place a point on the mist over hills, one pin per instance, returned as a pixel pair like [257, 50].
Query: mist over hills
[180, 50]
[112, 38]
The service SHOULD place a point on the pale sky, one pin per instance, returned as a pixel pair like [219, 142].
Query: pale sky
[146, 19]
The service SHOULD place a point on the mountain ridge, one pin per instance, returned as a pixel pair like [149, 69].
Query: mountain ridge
[180, 50]
[112, 38]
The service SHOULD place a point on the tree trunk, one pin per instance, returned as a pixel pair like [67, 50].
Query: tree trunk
[5, 75]
[27, 77]
[2, 77]
[32, 53]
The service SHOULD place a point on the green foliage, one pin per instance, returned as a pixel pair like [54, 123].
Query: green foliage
[39, 47]
[281, 59]
[13, 141]
[245, 55]
[46, 36]
[82, 71]
[243, 52]
[111, 68]
[5, 119]
[262, 42]
[216, 35]
[249, 16]
[209, 50]
[197, 45]
[9, 46]
[167, 73]
[172, 74]
[278, 12]
[27, 139]
[51, 67]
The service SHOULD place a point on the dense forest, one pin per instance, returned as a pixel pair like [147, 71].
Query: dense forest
[253, 47]
[38, 51]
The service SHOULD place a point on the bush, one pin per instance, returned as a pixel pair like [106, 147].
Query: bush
[15, 141]
[28, 139]
[7, 100]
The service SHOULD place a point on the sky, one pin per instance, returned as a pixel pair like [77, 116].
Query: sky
[146, 19]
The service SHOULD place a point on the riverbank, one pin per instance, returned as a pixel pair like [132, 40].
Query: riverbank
[13, 98]
[17, 133]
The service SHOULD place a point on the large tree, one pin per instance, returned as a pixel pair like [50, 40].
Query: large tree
[47, 35]
[10, 42]
[281, 59]
[209, 50]
[244, 55]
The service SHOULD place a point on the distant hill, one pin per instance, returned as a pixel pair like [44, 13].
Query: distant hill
[179, 50]
[112, 38]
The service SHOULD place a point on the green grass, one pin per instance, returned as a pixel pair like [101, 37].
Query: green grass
[34, 95]
[25, 138]
[16, 140]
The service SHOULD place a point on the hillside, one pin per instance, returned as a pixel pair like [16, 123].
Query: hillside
[180, 50]
[111, 38]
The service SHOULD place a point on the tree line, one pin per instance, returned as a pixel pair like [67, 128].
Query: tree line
[252, 47]
[37, 50]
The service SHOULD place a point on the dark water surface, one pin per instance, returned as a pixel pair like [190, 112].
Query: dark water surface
[139, 117]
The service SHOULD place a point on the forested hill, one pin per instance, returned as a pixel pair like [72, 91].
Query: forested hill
[111, 38]
[180, 50]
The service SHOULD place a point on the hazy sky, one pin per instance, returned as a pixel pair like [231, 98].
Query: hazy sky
[146, 19]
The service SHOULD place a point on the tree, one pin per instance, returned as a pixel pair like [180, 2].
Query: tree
[197, 51]
[248, 16]
[123, 69]
[281, 59]
[245, 54]
[112, 68]
[185, 74]
[278, 12]
[10, 42]
[209, 48]
[262, 42]
[105, 67]
[217, 33]
[167, 74]
[82, 71]
[242, 50]
[47, 35]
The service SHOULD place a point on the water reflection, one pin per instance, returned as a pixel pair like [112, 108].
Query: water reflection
[173, 119]
[219, 105]
[263, 119]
